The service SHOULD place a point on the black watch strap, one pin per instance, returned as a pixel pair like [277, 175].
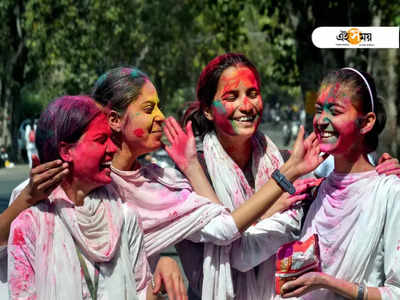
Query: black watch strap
[282, 181]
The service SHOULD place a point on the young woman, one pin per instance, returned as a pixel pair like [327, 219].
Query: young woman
[81, 242]
[238, 160]
[356, 211]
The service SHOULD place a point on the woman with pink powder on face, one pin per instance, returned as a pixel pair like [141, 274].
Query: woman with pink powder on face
[81, 242]
[356, 211]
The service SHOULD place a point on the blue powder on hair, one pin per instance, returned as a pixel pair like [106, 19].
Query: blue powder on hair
[135, 73]
[101, 79]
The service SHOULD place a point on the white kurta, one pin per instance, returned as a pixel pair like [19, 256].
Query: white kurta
[42, 260]
[356, 218]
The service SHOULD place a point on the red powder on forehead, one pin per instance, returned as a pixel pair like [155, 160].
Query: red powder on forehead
[139, 132]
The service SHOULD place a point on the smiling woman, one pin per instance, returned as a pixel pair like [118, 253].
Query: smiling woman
[79, 243]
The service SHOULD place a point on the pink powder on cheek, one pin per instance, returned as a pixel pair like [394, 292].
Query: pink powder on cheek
[139, 132]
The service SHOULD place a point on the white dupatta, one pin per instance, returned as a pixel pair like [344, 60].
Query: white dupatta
[232, 189]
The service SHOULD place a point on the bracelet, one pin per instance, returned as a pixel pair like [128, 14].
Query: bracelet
[360, 291]
[282, 181]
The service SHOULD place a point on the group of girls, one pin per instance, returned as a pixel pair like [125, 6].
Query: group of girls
[105, 217]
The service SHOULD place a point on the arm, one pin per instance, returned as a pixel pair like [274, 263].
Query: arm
[43, 179]
[21, 250]
[304, 159]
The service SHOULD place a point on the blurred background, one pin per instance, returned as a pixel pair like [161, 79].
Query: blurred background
[53, 47]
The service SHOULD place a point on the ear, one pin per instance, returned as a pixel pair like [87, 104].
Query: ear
[208, 113]
[65, 151]
[114, 120]
[368, 123]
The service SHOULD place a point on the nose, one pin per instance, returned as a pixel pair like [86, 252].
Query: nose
[158, 115]
[321, 120]
[246, 105]
[111, 147]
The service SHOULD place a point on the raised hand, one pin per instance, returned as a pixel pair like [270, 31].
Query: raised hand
[168, 277]
[182, 147]
[306, 156]
[43, 179]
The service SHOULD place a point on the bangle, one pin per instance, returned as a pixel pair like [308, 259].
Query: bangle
[282, 181]
[360, 291]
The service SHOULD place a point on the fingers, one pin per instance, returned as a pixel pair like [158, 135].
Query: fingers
[169, 287]
[189, 129]
[300, 137]
[385, 156]
[167, 132]
[157, 283]
[35, 160]
[46, 166]
[49, 185]
[51, 174]
[387, 165]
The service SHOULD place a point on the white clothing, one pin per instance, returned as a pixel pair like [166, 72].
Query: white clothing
[42, 256]
[356, 218]
[233, 189]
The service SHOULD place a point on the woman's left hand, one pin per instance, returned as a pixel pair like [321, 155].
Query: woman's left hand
[183, 145]
[388, 165]
[168, 277]
[302, 285]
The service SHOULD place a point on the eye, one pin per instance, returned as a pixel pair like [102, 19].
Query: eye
[253, 93]
[101, 139]
[149, 108]
[230, 96]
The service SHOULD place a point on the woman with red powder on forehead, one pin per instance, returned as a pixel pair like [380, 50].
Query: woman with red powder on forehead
[356, 211]
[81, 242]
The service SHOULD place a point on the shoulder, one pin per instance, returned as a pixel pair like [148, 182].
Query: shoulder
[17, 190]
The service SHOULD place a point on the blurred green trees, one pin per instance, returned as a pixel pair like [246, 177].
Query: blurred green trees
[55, 47]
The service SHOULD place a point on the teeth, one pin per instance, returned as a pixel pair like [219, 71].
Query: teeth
[245, 119]
[326, 134]
[108, 163]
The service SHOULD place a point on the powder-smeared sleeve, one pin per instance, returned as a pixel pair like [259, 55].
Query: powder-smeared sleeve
[260, 241]
[221, 231]
[137, 252]
[391, 238]
[21, 257]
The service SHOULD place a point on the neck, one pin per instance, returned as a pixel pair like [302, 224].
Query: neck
[125, 159]
[352, 163]
[76, 190]
[238, 149]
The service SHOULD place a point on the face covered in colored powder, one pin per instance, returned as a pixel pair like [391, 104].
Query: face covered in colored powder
[237, 106]
[92, 154]
[337, 121]
[142, 121]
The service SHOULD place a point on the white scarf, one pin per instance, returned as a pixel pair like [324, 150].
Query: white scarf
[165, 220]
[349, 216]
[96, 229]
[232, 189]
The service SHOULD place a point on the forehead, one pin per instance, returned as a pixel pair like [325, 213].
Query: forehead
[98, 124]
[335, 93]
[236, 74]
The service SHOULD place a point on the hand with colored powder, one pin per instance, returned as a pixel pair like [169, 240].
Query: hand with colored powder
[182, 147]
[182, 150]
[388, 165]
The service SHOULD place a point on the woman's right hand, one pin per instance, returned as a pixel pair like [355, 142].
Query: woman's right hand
[43, 179]
[303, 189]
[306, 156]
[182, 147]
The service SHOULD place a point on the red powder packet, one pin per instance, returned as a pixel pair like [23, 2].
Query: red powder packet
[296, 258]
